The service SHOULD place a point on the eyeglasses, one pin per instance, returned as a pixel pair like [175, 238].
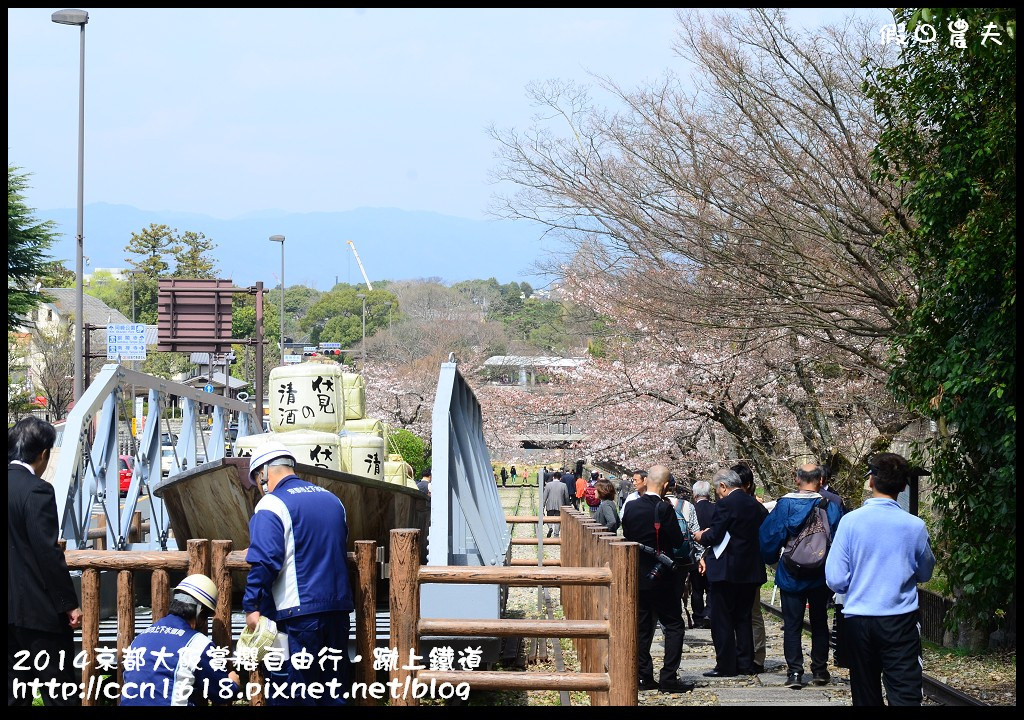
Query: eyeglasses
[872, 470]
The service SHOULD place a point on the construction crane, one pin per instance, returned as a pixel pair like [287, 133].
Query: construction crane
[361, 268]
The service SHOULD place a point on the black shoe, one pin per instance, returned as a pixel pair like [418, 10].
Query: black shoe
[648, 684]
[821, 678]
[793, 681]
[676, 686]
[718, 673]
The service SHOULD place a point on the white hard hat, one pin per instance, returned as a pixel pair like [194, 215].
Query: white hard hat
[268, 451]
[201, 588]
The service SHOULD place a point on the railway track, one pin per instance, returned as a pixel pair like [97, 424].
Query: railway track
[934, 689]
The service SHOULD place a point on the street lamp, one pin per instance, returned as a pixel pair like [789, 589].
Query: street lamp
[362, 354]
[280, 239]
[80, 18]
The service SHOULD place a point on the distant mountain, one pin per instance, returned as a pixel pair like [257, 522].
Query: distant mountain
[392, 244]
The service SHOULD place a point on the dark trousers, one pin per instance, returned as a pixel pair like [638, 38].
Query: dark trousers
[698, 588]
[313, 632]
[888, 646]
[793, 606]
[731, 627]
[660, 604]
[556, 526]
[44, 650]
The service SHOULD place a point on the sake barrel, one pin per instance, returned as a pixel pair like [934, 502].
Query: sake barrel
[367, 425]
[398, 472]
[310, 447]
[307, 396]
[245, 445]
[363, 454]
[355, 395]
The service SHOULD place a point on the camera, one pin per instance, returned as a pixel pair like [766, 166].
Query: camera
[661, 562]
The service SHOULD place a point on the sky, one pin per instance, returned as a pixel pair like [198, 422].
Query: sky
[233, 112]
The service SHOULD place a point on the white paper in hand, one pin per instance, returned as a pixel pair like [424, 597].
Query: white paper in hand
[720, 547]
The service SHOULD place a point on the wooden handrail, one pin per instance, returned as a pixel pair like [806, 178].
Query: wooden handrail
[217, 561]
[516, 577]
[516, 628]
[595, 616]
[516, 519]
[533, 541]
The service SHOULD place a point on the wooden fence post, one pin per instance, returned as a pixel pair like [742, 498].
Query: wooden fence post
[622, 612]
[405, 607]
[90, 629]
[125, 617]
[221, 577]
[159, 593]
[366, 615]
[199, 563]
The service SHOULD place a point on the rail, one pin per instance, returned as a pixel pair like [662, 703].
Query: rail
[934, 688]
[217, 560]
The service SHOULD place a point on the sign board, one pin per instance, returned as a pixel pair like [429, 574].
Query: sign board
[309, 348]
[126, 341]
[208, 388]
[331, 345]
[194, 315]
[291, 359]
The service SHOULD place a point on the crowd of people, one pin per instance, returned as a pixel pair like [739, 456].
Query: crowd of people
[864, 563]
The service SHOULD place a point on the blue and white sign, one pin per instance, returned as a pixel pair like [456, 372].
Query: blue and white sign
[208, 388]
[126, 341]
[291, 359]
[331, 345]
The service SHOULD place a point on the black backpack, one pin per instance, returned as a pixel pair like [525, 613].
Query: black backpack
[685, 555]
[804, 553]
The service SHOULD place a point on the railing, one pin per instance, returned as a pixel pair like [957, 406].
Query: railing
[217, 560]
[601, 617]
[87, 465]
[586, 543]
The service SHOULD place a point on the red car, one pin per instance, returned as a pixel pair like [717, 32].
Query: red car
[125, 463]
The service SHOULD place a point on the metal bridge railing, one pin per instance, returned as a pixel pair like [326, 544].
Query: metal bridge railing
[87, 466]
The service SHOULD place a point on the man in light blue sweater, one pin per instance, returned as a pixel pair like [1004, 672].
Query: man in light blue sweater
[879, 554]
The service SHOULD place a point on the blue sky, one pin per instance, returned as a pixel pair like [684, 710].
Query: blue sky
[228, 112]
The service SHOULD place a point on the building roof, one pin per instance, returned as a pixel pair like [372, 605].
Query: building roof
[96, 311]
[217, 381]
[534, 361]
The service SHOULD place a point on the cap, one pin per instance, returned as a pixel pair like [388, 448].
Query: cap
[201, 588]
[267, 452]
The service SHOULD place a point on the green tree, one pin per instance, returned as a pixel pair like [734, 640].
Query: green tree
[412, 448]
[56, 275]
[949, 119]
[27, 242]
[191, 251]
[152, 248]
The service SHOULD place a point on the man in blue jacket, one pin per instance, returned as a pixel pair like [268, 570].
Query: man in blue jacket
[878, 556]
[170, 662]
[299, 577]
[810, 592]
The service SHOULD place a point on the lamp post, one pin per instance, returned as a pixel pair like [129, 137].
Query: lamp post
[80, 18]
[280, 239]
[362, 352]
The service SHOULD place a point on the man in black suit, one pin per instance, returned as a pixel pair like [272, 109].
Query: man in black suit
[651, 521]
[42, 606]
[735, 575]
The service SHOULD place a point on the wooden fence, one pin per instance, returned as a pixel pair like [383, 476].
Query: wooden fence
[216, 560]
[600, 615]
